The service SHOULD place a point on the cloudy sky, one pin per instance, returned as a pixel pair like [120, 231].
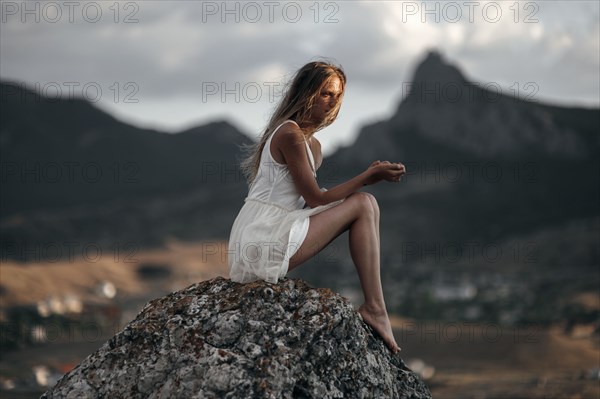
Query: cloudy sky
[171, 65]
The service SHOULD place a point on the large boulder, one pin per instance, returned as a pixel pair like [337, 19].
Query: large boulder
[221, 339]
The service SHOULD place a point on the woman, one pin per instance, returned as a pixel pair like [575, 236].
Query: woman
[287, 219]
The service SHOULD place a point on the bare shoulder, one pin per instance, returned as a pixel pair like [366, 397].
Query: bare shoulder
[291, 131]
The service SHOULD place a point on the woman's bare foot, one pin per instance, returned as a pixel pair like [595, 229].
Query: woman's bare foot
[379, 321]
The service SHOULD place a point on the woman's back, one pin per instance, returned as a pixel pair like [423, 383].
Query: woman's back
[274, 183]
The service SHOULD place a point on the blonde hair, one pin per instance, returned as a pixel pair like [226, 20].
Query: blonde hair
[298, 99]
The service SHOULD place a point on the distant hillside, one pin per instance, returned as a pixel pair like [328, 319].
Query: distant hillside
[61, 153]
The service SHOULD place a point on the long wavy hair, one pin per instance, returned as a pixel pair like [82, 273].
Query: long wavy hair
[299, 96]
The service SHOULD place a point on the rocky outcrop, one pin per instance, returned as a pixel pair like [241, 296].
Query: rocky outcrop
[221, 339]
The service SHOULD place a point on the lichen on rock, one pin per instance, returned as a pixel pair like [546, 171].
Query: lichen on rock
[221, 339]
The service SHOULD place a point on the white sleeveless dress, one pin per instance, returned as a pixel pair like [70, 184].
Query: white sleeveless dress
[272, 223]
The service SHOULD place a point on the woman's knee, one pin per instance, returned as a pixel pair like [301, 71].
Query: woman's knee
[363, 202]
[374, 203]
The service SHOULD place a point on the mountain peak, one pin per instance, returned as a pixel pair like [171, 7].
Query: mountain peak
[434, 68]
[442, 106]
[218, 338]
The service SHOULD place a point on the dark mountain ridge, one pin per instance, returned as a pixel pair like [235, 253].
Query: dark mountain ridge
[60, 153]
[447, 118]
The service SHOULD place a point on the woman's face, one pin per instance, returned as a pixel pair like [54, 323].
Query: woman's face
[327, 98]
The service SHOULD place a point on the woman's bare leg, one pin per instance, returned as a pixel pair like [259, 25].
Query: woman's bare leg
[374, 310]
[358, 214]
[376, 210]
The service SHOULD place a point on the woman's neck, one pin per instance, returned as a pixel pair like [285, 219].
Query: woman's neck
[308, 129]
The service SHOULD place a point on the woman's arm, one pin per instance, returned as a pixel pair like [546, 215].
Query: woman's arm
[293, 148]
[347, 188]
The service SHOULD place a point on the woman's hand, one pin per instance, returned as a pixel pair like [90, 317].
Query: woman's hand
[385, 170]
